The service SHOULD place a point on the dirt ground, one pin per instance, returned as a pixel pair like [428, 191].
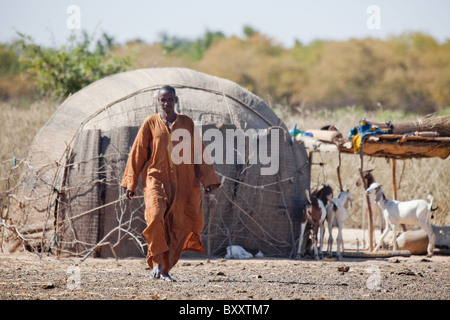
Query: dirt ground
[49, 278]
[27, 276]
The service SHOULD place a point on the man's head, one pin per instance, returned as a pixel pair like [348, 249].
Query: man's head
[168, 99]
[168, 89]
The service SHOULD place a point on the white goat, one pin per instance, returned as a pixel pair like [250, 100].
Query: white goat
[413, 212]
[336, 215]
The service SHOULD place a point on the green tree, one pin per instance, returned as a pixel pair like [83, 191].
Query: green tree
[9, 59]
[193, 50]
[249, 31]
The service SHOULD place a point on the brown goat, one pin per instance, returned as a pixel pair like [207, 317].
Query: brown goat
[369, 179]
[314, 213]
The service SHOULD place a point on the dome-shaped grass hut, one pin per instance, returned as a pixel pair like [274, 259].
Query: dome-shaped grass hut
[70, 200]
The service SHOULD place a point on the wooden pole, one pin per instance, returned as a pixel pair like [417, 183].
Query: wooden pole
[394, 185]
[361, 155]
[338, 169]
[379, 254]
[394, 181]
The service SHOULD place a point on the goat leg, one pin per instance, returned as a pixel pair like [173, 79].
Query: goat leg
[330, 240]
[431, 237]
[386, 230]
[339, 243]
[316, 255]
[430, 248]
[302, 232]
[322, 234]
[394, 238]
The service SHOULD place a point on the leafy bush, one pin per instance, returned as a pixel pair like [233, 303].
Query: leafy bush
[64, 71]
[192, 49]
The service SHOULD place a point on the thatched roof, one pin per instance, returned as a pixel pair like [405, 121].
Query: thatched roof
[70, 199]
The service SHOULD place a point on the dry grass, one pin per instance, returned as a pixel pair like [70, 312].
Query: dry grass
[17, 130]
[19, 126]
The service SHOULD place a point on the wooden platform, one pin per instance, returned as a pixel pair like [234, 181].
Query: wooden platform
[401, 146]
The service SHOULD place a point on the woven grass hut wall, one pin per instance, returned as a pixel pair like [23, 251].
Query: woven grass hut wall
[69, 198]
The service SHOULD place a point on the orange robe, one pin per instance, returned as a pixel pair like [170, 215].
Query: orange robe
[172, 193]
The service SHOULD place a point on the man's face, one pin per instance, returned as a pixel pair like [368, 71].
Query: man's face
[167, 101]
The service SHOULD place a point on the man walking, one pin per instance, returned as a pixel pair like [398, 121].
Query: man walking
[172, 192]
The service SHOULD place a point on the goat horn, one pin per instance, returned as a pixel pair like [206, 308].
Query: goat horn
[307, 196]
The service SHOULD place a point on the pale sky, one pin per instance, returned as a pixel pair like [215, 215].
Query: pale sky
[282, 20]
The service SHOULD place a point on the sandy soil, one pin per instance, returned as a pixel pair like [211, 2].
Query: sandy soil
[26, 276]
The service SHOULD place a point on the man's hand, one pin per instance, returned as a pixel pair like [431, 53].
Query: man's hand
[129, 194]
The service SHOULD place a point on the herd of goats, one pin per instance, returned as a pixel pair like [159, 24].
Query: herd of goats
[321, 207]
